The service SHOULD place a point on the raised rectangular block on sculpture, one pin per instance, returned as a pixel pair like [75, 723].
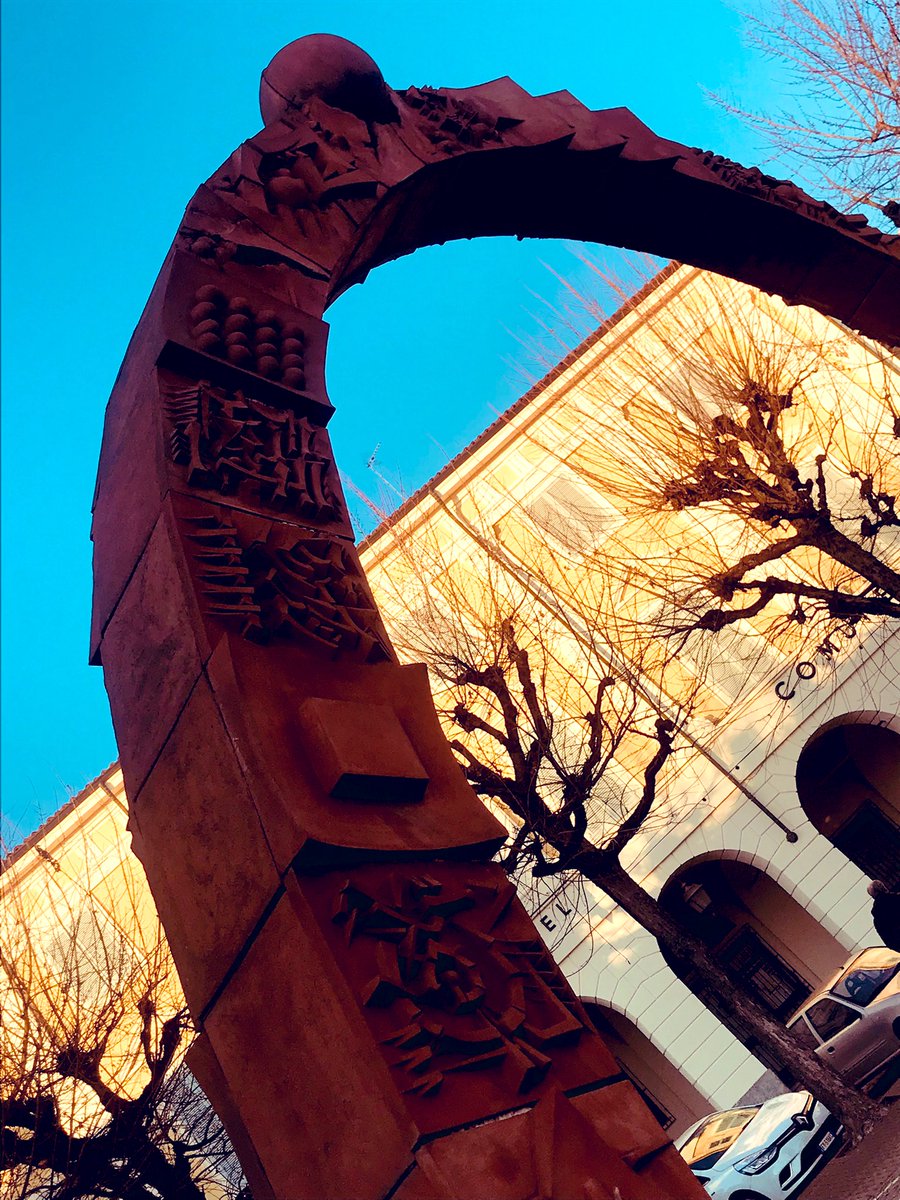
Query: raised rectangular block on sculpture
[361, 752]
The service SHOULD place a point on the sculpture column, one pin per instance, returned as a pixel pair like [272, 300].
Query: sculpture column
[379, 1015]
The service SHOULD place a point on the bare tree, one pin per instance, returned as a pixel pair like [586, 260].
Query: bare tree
[94, 1098]
[758, 447]
[566, 734]
[842, 126]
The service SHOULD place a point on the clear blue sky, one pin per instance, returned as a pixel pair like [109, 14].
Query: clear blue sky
[113, 113]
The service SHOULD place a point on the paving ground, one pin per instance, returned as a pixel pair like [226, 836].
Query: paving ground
[871, 1171]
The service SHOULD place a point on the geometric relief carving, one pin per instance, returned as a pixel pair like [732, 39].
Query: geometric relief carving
[224, 574]
[235, 444]
[310, 590]
[754, 182]
[316, 172]
[452, 125]
[306, 182]
[255, 339]
[460, 995]
[315, 589]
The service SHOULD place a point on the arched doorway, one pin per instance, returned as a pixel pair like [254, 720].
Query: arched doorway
[672, 1099]
[848, 782]
[764, 938]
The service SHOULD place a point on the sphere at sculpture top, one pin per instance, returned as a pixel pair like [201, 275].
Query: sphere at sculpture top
[329, 67]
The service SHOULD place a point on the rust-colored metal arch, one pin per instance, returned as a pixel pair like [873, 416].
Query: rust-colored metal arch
[372, 996]
[610, 179]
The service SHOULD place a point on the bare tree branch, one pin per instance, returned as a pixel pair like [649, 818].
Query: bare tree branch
[840, 125]
[94, 1099]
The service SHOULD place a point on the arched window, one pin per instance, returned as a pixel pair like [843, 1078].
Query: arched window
[848, 782]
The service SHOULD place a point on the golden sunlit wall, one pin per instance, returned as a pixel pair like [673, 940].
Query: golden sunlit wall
[551, 521]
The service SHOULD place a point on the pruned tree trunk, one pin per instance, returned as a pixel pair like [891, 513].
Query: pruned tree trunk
[858, 1112]
[123, 1159]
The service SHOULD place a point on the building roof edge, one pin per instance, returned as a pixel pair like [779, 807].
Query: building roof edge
[46, 827]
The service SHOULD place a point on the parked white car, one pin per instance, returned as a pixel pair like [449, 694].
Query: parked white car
[762, 1151]
[853, 1022]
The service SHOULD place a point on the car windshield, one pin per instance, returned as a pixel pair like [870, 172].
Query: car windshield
[867, 975]
[705, 1144]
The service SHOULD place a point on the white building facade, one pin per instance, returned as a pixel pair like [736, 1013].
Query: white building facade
[785, 797]
[788, 799]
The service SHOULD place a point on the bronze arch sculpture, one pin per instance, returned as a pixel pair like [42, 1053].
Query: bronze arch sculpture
[372, 996]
